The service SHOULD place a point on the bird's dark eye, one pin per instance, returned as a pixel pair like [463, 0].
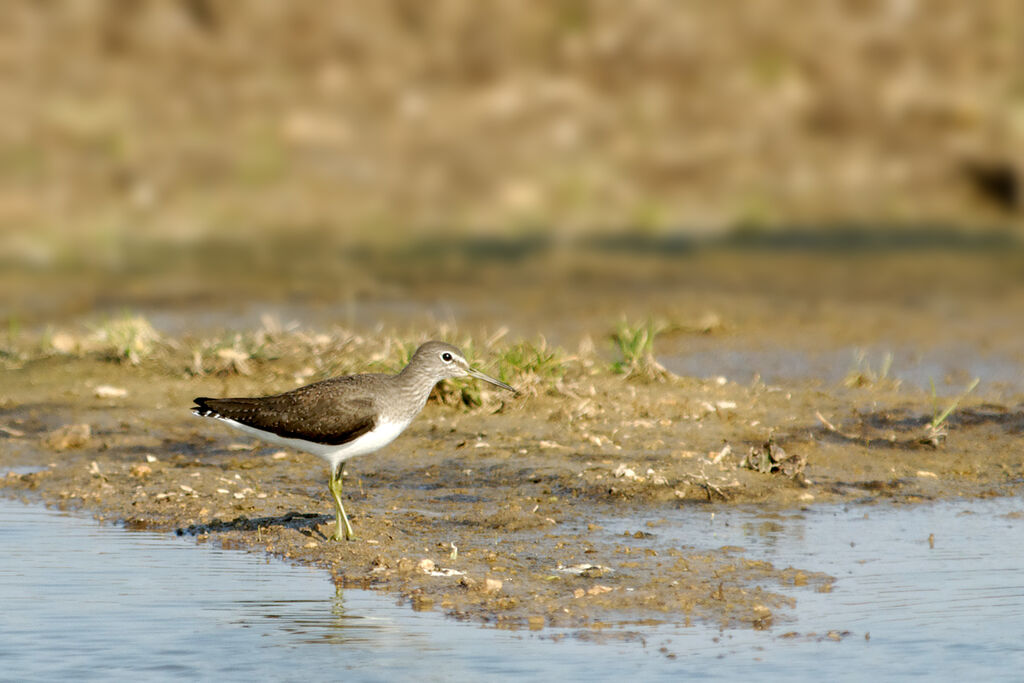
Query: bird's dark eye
[446, 357]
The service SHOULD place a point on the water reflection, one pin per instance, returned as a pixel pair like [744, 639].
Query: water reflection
[920, 588]
[91, 602]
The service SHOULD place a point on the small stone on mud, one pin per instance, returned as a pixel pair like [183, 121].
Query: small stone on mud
[69, 436]
[62, 342]
[624, 472]
[772, 458]
[590, 571]
[280, 455]
[426, 565]
[492, 585]
[140, 470]
[151, 458]
[717, 457]
[446, 571]
[536, 622]
[107, 391]
[578, 593]
[599, 589]
[312, 544]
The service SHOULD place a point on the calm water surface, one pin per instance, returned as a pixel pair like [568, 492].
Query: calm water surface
[949, 368]
[86, 601]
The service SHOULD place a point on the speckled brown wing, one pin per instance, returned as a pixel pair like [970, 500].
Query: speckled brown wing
[332, 412]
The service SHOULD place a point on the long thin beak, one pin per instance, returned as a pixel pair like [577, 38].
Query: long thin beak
[497, 383]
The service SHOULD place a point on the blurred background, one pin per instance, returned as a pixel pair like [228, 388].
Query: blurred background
[156, 152]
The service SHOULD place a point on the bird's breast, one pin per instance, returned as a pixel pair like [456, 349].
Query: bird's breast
[384, 433]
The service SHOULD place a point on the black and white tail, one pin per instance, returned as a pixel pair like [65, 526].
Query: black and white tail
[203, 409]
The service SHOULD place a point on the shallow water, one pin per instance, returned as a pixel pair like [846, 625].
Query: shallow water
[929, 588]
[949, 368]
[89, 601]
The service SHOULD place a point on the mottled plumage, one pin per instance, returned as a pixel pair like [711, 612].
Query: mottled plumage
[344, 417]
[311, 412]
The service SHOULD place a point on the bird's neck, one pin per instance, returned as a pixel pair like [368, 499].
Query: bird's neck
[416, 385]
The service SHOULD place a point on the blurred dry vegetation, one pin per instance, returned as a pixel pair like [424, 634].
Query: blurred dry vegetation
[178, 120]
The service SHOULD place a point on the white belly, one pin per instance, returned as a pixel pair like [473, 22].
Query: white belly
[385, 433]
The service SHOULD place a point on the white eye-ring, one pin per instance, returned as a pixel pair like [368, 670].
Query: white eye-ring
[446, 357]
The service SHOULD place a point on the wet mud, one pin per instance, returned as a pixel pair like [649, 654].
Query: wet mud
[546, 509]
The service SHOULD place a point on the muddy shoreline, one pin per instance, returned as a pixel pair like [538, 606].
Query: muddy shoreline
[500, 513]
[544, 508]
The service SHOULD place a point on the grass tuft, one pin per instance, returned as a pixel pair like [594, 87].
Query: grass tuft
[532, 366]
[862, 374]
[128, 339]
[634, 344]
[936, 431]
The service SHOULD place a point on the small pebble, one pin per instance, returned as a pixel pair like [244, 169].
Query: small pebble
[107, 391]
[63, 342]
[140, 470]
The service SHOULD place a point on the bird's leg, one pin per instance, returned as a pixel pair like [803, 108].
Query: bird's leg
[343, 532]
